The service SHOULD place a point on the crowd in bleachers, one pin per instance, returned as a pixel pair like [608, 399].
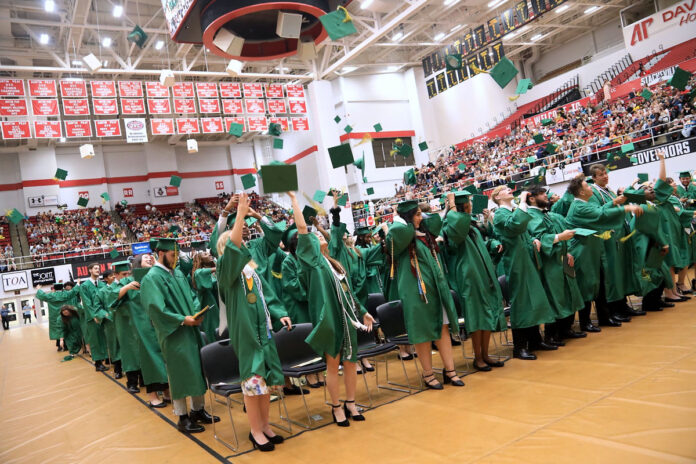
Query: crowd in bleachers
[180, 220]
[214, 205]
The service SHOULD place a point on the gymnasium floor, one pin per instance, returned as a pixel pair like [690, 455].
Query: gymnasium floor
[625, 395]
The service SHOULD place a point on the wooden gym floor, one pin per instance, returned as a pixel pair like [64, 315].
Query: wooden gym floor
[625, 395]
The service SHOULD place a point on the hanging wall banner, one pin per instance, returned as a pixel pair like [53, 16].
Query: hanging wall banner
[184, 105]
[230, 90]
[206, 89]
[277, 106]
[78, 128]
[132, 106]
[11, 88]
[104, 106]
[209, 105]
[257, 123]
[253, 90]
[237, 120]
[255, 106]
[13, 107]
[130, 89]
[183, 90]
[47, 129]
[70, 88]
[136, 130]
[103, 89]
[47, 107]
[297, 106]
[156, 90]
[16, 130]
[284, 124]
[159, 106]
[232, 106]
[187, 126]
[300, 124]
[162, 126]
[107, 128]
[42, 88]
[274, 90]
[294, 90]
[211, 125]
[75, 107]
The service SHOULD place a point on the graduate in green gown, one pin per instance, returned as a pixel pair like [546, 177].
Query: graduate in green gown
[371, 247]
[171, 304]
[72, 333]
[557, 266]
[121, 300]
[252, 308]
[472, 275]
[529, 306]
[416, 277]
[204, 282]
[89, 290]
[74, 300]
[55, 300]
[595, 222]
[563, 204]
[335, 313]
[686, 188]
[112, 345]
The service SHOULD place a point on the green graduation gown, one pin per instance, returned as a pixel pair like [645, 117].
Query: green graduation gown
[588, 251]
[671, 223]
[109, 326]
[168, 299]
[72, 334]
[649, 234]
[689, 192]
[529, 305]
[294, 294]
[471, 274]
[89, 292]
[329, 300]
[563, 204]
[249, 323]
[207, 289]
[55, 300]
[128, 340]
[375, 260]
[423, 318]
[353, 263]
[561, 289]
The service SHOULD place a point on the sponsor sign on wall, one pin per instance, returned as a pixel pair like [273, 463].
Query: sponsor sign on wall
[136, 130]
[45, 276]
[664, 29]
[12, 281]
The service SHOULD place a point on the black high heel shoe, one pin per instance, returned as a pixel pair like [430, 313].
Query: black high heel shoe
[365, 368]
[261, 447]
[343, 423]
[448, 379]
[428, 383]
[275, 439]
[350, 415]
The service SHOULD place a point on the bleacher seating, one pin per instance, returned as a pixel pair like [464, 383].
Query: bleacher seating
[177, 219]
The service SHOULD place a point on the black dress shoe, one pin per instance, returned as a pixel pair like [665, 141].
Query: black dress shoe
[344, 422]
[673, 300]
[269, 446]
[203, 416]
[484, 368]
[621, 318]
[610, 322]
[554, 342]
[100, 368]
[158, 405]
[432, 384]
[356, 417]
[133, 389]
[319, 384]
[635, 312]
[275, 439]
[118, 375]
[664, 304]
[365, 368]
[406, 358]
[187, 426]
[446, 378]
[294, 390]
[522, 353]
[656, 308]
[495, 363]
[589, 327]
[573, 334]
[542, 346]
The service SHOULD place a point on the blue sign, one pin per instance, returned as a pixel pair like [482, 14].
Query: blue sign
[140, 248]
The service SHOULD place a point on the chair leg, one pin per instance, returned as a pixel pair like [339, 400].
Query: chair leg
[307, 426]
[408, 380]
[367, 389]
[234, 429]
[287, 429]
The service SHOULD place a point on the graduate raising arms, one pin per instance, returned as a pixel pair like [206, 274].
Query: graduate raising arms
[336, 314]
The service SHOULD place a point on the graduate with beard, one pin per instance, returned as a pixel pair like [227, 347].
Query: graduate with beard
[55, 301]
[204, 282]
[109, 327]
[95, 313]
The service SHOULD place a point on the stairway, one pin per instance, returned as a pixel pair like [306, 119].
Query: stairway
[116, 218]
[20, 246]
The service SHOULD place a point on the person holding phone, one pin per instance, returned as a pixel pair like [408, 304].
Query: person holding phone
[252, 307]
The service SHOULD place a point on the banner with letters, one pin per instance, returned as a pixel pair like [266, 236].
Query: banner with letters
[664, 29]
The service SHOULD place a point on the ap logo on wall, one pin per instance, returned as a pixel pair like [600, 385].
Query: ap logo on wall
[14, 281]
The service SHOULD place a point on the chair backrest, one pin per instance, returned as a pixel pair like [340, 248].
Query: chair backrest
[220, 363]
[291, 345]
[502, 280]
[204, 336]
[391, 318]
[225, 333]
[374, 300]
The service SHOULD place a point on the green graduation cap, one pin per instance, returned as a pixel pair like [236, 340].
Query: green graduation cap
[360, 163]
[348, 129]
[308, 212]
[478, 204]
[248, 181]
[167, 244]
[471, 189]
[236, 129]
[137, 36]
[14, 216]
[370, 191]
[453, 61]
[613, 157]
[288, 234]
[410, 177]
[113, 253]
[538, 138]
[539, 178]
[531, 159]
[503, 72]
[406, 206]
[461, 198]
[635, 196]
[274, 129]
[423, 146]
[337, 119]
[124, 202]
[378, 127]
[199, 245]
[546, 122]
[319, 196]
[433, 223]
[643, 177]
[647, 94]
[523, 85]
[581, 232]
[250, 221]
[82, 201]
[680, 79]
[278, 178]
[121, 266]
[341, 155]
[433, 190]
[277, 144]
[633, 159]
[60, 174]
[338, 24]
[175, 181]
[105, 196]
[461, 167]
[627, 147]
[343, 200]
[685, 174]
[362, 231]
[405, 150]
[551, 148]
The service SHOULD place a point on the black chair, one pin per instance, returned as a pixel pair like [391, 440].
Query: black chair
[298, 359]
[374, 300]
[204, 336]
[369, 348]
[505, 290]
[391, 317]
[224, 335]
[463, 334]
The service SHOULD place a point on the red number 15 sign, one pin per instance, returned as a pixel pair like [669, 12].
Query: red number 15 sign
[127, 192]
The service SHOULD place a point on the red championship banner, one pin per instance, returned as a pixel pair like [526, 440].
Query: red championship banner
[156, 90]
[274, 91]
[162, 126]
[257, 123]
[187, 126]
[103, 89]
[232, 107]
[230, 90]
[70, 88]
[107, 127]
[183, 90]
[209, 105]
[297, 106]
[253, 90]
[78, 128]
[16, 130]
[255, 106]
[294, 90]
[48, 107]
[75, 107]
[11, 88]
[130, 89]
[284, 124]
[132, 106]
[237, 120]
[47, 129]
[184, 105]
[42, 88]
[159, 106]
[300, 124]
[277, 106]
[206, 89]
[13, 107]
[104, 106]
[211, 125]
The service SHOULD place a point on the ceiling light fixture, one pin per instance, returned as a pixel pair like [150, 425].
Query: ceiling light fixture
[76, 62]
[439, 36]
[43, 38]
[494, 3]
[592, 9]
[536, 37]
[49, 5]
[393, 68]
[347, 69]
[562, 8]
[458, 26]
[106, 42]
[105, 63]
[451, 2]
[118, 11]
[159, 45]
[366, 3]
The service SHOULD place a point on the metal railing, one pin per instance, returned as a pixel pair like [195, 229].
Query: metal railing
[595, 87]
